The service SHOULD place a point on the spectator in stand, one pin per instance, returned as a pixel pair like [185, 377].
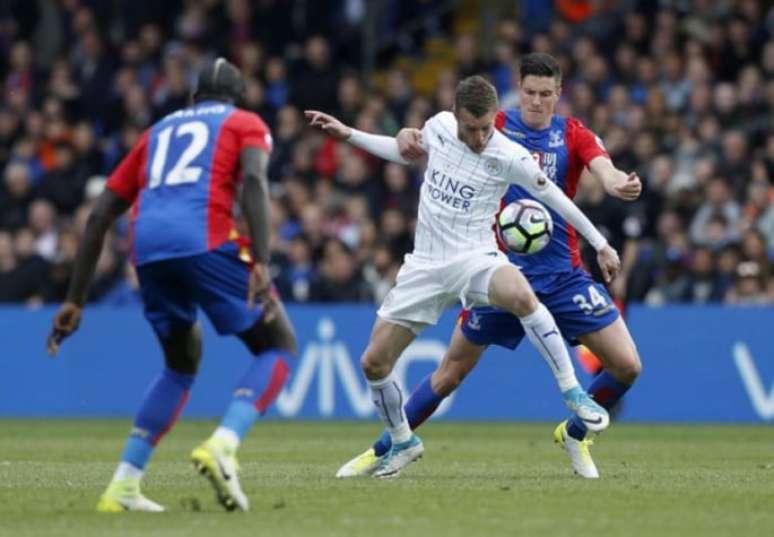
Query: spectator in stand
[703, 285]
[718, 211]
[30, 272]
[340, 279]
[315, 79]
[749, 286]
[8, 270]
[42, 223]
[16, 197]
[298, 275]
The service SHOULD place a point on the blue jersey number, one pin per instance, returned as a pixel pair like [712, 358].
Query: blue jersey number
[182, 171]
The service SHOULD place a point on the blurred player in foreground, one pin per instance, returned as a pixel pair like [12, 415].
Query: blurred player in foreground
[583, 309]
[470, 166]
[181, 179]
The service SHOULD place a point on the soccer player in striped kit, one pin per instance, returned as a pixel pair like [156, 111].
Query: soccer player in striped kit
[583, 308]
[470, 166]
[181, 180]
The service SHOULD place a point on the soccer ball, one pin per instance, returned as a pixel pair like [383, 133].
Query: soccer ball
[525, 226]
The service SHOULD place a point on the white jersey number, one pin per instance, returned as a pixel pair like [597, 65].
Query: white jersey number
[182, 171]
[597, 301]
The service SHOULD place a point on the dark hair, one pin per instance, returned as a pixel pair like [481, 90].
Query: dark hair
[476, 95]
[539, 64]
[220, 81]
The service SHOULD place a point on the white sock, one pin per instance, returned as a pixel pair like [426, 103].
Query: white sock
[388, 398]
[542, 331]
[228, 437]
[126, 470]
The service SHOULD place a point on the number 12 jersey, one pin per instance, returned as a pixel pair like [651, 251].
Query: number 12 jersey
[181, 178]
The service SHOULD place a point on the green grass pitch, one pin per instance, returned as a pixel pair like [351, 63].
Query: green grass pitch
[476, 479]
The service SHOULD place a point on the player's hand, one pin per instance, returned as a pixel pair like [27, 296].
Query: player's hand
[259, 287]
[329, 124]
[66, 322]
[609, 263]
[410, 144]
[626, 187]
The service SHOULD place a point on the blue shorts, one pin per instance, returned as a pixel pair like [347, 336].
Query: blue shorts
[578, 303]
[216, 281]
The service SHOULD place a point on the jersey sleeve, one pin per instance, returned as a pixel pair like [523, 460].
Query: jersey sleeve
[126, 179]
[427, 133]
[523, 169]
[583, 142]
[500, 120]
[252, 131]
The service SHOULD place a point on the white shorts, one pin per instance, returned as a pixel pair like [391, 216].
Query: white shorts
[424, 289]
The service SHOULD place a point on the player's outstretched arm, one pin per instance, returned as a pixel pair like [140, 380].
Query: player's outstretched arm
[256, 210]
[108, 208]
[551, 195]
[616, 182]
[525, 171]
[385, 147]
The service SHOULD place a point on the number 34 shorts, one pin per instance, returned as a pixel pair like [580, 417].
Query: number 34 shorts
[579, 305]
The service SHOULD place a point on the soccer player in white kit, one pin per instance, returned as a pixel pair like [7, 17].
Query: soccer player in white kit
[470, 166]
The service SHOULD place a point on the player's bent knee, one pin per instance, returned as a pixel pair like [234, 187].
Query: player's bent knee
[629, 369]
[522, 300]
[510, 290]
[373, 364]
[276, 334]
[183, 349]
[632, 369]
[285, 339]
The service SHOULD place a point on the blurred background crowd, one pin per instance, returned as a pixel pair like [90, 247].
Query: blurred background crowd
[680, 91]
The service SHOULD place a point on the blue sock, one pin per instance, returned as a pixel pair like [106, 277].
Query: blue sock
[606, 391]
[161, 406]
[257, 390]
[420, 406]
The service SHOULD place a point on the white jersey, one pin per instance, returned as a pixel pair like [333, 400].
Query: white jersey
[461, 192]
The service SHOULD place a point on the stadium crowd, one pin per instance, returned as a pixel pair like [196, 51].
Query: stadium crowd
[681, 91]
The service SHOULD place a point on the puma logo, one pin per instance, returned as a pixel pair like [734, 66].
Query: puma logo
[225, 474]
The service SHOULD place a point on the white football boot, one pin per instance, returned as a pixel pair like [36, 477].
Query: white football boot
[578, 450]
